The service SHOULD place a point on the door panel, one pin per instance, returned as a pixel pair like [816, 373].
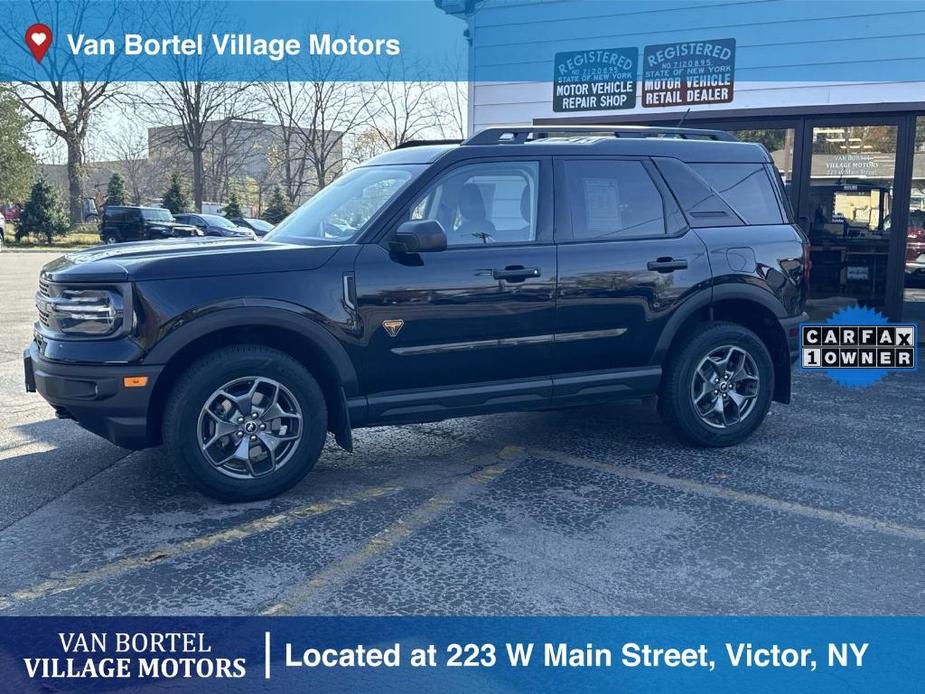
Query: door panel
[625, 263]
[481, 311]
[460, 325]
[612, 307]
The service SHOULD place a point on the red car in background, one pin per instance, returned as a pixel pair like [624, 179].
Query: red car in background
[10, 212]
[915, 235]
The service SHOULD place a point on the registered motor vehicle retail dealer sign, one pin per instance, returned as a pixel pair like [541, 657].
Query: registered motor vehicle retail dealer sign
[602, 79]
[688, 73]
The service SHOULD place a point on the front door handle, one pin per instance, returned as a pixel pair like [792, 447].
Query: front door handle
[667, 264]
[515, 273]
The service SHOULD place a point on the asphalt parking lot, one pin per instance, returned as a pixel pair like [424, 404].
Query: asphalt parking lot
[587, 511]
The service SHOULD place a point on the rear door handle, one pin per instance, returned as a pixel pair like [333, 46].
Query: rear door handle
[515, 273]
[667, 264]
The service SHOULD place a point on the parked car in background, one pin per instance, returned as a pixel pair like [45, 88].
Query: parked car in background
[122, 223]
[258, 226]
[10, 212]
[214, 225]
[2, 232]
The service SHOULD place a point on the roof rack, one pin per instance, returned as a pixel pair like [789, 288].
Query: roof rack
[424, 143]
[519, 134]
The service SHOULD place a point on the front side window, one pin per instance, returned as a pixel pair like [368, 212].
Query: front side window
[614, 199]
[483, 203]
[340, 212]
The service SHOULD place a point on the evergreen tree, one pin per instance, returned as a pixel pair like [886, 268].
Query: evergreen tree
[175, 198]
[232, 207]
[278, 208]
[43, 214]
[115, 191]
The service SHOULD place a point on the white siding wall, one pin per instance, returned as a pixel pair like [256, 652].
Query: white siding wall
[855, 44]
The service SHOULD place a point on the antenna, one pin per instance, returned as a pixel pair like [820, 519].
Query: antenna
[681, 122]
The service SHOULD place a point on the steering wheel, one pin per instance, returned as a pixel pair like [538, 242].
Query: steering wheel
[327, 230]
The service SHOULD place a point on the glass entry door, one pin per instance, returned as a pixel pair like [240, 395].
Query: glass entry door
[846, 209]
[914, 262]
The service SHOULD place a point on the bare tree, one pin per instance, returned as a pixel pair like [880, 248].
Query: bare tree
[195, 95]
[400, 109]
[238, 147]
[130, 147]
[448, 100]
[58, 102]
[316, 108]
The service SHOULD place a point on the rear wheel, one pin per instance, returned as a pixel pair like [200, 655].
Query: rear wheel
[244, 423]
[110, 238]
[717, 389]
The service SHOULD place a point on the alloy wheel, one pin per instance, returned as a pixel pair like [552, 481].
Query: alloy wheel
[725, 386]
[250, 427]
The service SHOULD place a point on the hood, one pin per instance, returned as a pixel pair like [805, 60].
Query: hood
[180, 258]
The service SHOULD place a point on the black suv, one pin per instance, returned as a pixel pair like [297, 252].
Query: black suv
[120, 223]
[522, 269]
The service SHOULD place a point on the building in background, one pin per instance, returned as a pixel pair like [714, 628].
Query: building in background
[248, 157]
[848, 138]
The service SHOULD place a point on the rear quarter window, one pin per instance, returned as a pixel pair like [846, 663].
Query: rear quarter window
[746, 188]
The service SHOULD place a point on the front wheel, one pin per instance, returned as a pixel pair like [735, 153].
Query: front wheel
[718, 388]
[245, 423]
[109, 239]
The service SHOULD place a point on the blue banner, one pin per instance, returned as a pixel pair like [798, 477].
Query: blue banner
[404, 40]
[464, 654]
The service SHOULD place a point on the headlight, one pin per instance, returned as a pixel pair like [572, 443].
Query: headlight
[71, 311]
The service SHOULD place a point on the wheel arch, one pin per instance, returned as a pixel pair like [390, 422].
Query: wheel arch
[289, 332]
[749, 306]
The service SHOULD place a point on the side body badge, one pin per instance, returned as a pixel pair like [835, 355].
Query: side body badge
[392, 326]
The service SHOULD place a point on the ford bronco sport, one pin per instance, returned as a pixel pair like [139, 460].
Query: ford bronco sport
[521, 269]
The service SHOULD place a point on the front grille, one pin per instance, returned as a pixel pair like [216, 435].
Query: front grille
[44, 293]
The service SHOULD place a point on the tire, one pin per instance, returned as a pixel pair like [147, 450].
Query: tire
[110, 238]
[745, 400]
[227, 382]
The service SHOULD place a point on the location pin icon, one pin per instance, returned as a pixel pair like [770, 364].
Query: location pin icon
[38, 40]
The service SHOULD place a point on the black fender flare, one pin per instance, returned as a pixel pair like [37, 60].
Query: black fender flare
[705, 299]
[204, 320]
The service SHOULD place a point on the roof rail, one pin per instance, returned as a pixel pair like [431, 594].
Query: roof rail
[424, 143]
[518, 134]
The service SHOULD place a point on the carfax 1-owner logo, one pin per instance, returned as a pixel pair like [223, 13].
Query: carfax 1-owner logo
[857, 347]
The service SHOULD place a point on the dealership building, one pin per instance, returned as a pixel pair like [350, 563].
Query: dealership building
[829, 88]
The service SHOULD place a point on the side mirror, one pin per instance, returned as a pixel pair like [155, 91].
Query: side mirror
[422, 236]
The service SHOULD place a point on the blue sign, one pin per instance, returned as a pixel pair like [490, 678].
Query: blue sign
[601, 79]
[463, 654]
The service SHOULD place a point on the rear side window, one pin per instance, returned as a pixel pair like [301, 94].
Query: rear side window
[746, 188]
[614, 199]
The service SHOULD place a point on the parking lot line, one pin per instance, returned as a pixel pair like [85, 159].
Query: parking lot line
[263, 524]
[709, 490]
[325, 581]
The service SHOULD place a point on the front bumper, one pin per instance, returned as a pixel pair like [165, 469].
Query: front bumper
[94, 396]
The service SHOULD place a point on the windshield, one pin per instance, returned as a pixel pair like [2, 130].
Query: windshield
[215, 221]
[157, 215]
[259, 224]
[340, 212]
